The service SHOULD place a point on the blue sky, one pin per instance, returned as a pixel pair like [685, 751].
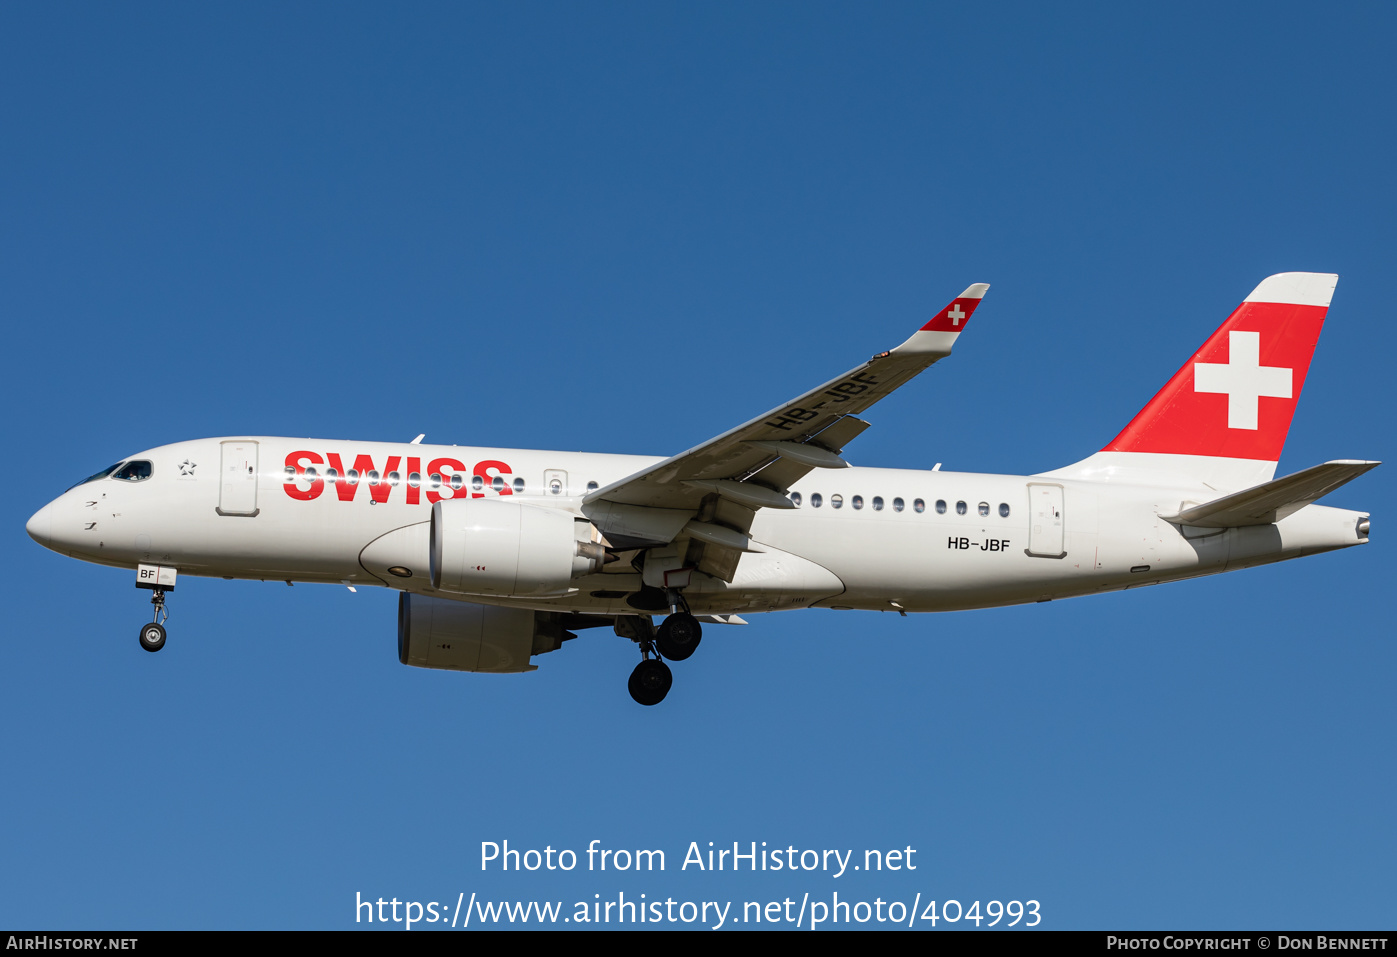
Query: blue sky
[627, 228]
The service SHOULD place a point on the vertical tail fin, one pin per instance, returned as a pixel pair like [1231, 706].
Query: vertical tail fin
[1222, 419]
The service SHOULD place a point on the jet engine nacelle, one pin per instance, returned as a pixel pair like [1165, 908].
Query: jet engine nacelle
[464, 636]
[490, 547]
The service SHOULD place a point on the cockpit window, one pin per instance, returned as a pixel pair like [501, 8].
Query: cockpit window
[136, 471]
[100, 475]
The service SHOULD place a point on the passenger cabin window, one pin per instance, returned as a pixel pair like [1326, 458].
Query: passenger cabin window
[592, 486]
[960, 508]
[477, 482]
[836, 501]
[877, 503]
[352, 477]
[497, 483]
[414, 479]
[857, 501]
[555, 486]
[1003, 509]
[897, 505]
[457, 481]
[435, 479]
[919, 506]
[519, 486]
[984, 508]
[137, 471]
[332, 476]
[795, 499]
[373, 477]
[940, 506]
[394, 478]
[816, 500]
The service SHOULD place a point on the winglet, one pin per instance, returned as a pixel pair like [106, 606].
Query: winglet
[938, 335]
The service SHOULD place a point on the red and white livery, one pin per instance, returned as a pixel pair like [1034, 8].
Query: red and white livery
[501, 555]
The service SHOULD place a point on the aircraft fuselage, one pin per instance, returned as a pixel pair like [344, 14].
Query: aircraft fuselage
[312, 510]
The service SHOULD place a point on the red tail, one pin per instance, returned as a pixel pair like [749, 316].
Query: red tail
[1236, 396]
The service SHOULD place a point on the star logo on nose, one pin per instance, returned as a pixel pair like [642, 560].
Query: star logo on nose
[187, 467]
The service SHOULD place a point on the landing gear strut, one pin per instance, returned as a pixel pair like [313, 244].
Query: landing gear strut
[679, 633]
[651, 679]
[159, 579]
[153, 634]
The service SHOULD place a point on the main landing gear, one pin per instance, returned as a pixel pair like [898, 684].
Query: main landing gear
[153, 634]
[650, 681]
[677, 637]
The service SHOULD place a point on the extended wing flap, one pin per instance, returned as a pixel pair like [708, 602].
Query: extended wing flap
[719, 561]
[785, 471]
[1272, 501]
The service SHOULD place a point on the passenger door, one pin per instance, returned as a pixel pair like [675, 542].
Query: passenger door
[1045, 532]
[237, 479]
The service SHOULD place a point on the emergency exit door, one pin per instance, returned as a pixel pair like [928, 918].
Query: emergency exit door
[555, 482]
[237, 479]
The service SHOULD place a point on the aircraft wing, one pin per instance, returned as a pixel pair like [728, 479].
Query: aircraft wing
[722, 482]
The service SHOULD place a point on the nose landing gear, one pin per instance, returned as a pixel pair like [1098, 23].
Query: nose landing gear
[153, 634]
[159, 579]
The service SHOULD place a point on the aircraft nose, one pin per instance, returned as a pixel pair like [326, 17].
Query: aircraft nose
[40, 526]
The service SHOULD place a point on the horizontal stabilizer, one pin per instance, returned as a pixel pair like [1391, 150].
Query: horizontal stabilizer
[1272, 501]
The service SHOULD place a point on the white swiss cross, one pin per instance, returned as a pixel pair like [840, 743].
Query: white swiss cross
[954, 314]
[1243, 378]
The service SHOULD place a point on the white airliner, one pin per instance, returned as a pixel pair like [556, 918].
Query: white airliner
[500, 553]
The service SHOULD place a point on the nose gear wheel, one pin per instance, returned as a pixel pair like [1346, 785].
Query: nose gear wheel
[153, 636]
